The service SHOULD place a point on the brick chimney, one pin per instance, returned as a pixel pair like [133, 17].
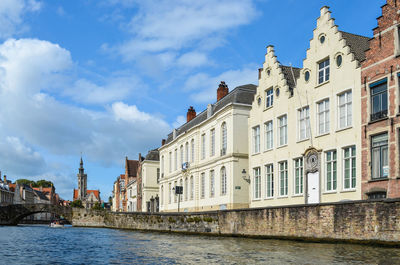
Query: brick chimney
[222, 90]
[163, 141]
[191, 114]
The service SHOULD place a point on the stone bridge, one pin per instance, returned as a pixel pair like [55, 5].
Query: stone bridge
[13, 214]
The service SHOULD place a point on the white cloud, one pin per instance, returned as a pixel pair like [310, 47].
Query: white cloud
[204, 86]
[11, 15]
[193, 59]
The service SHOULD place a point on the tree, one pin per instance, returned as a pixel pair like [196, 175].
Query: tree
[43, 183]
[77, 204]
[25, 182]
[97, 206]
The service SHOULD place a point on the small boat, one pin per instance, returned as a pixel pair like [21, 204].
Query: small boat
[56, 224]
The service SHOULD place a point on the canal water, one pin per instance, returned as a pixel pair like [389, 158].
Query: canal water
[26, 244]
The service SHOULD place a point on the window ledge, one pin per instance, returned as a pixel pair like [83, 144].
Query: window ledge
[330, 192]
[282, 146]
[267, 108]
[283, 197]
[256, 200]
[345, 128]
[254, 154]
[378, 120]
[269, 198]
[303, 140]
[322, 134]
[323, 83]
[297, 195]
[268, 150]
[378, 179]
[349, 190]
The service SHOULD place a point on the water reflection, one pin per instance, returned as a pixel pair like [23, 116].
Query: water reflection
[44, 245]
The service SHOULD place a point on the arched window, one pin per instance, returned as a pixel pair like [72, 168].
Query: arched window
[162, 195]
[185, 189]
[191, 188]
[187, 152]
[192, 144]
[223, 181]
[223, 138]
[181, 149]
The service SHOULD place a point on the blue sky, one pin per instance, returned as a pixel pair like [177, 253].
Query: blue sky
[111, 78]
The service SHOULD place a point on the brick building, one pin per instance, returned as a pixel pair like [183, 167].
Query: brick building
[380, 107]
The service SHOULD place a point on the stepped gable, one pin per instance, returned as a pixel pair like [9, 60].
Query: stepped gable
[358, 44]
[242, 94]
[288, 75]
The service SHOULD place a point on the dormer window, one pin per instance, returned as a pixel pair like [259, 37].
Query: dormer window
[269, 97]
[323, 71]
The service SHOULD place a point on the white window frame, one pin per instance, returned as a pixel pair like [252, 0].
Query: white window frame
[257, 183]
[170, 162]
[269, 98]
[348, 107]
[353, 164]
[269, 135]
[303, 117]
[256, 139]
[300, 181]
[224, 184]
[212, 142]
[203, 146]
[269, 181]
[323, 118]
[187, 152]
[176, 159]
[285, 180]
[284, 127]
[191, 187]
[212, 183]
[202, 185]
[192, 144]
[333, 163]
[182, 154]
[325, 71]
[224, 138]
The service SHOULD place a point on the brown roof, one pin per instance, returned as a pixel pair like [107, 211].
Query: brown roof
[358, 44]
[95, 192]
[131, 166]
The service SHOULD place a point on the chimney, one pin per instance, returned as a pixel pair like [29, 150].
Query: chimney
[222, 90]
[191, 114]
[5, 179]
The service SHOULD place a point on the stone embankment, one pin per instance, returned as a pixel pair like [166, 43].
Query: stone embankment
[372, 222]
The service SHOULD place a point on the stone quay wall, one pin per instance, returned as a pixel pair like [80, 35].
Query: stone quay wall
[372, 222]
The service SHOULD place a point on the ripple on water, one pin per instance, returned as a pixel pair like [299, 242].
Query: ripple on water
[45, 245]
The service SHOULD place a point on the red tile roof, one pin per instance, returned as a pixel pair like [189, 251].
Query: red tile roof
[95, 192]
[75, 194]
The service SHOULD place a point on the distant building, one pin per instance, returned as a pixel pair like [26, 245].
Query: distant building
[88, 197]
[130, 196]
[149, 177]
[6, 192]
[40, 197]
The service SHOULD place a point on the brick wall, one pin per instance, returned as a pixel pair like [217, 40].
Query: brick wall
[363, 221]
[382, 62]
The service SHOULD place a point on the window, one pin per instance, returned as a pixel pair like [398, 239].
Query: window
[323, 71]
[176, 159]
[203, 185]
[162, 164]
[203, 146]
[377, 195]
[282, 123]
[345, 110]
[185, 190]
[212, 183]
[257, 183]
[298, 176]
[181, 150]
[212, 142]
[339, 60]
[323, 116]
[304, 123]
[269, 97]
[307, 76]
[175, 196]
[269, 178]
[379, 156]
[223, 181]
[283, 179]
[331, 176]
[187, 152]
[256, 139]
[379, 101]
[192, 144]
[191, 188]
[170, 162]
[169, 193]
[349, 161]
[269, 137]
[224, 138]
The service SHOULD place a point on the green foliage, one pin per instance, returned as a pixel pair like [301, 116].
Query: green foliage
[77, 204]
[171, 220]
[207, 219]
[197, 219]
[35, 184]
[190, 220]
[97, 206]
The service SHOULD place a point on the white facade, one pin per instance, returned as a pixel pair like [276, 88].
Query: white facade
[206, 157]
[305, 137]
[150, 190]
[132, 196]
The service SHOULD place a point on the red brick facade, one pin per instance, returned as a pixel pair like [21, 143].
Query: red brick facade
[382, 65]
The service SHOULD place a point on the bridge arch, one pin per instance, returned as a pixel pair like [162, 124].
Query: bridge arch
[13, 214]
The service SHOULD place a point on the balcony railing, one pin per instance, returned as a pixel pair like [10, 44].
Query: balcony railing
[379, 115]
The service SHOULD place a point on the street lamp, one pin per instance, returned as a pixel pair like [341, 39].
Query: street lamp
[245, 177]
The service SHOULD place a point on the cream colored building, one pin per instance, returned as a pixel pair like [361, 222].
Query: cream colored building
[207, 154]
[132, 195]
[150, 174]
[304, 126]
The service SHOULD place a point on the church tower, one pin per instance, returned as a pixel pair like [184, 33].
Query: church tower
[82, 182]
